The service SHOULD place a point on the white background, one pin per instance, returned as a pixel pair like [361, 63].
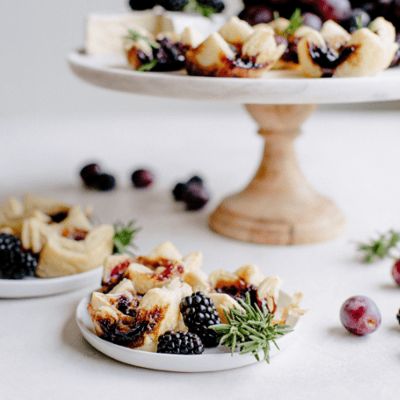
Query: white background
[51, 123]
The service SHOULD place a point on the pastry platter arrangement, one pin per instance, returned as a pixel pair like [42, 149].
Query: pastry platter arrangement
[161, 310]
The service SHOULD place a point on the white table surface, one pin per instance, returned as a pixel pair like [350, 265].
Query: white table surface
[350, 156]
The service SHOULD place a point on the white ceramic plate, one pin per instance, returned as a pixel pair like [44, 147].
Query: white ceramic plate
[216, 359]
[36, 287]
[275, 87]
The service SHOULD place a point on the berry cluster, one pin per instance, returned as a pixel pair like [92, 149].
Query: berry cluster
[15, 261]
[199, 313]
[94, 178]
[348, 13]
[176, 5]
[192, 193]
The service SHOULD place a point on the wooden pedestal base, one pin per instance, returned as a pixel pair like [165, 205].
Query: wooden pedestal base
[278, 206]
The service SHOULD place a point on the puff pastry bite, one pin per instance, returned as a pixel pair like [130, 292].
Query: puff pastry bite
[237, 50]
[13, 212]
[126, 318]
[62, 235]
[163, 52]
[333, 52]
[157, 269]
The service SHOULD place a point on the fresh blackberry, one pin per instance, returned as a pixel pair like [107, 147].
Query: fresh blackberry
[398, 316]
[174, 5]
[10, 246]
[199, 313]
[179, 343]
[195, 197]
[179, 191]
[140, 5]
[195, 179]
[217, 5]
[105, 183]
[15, 262]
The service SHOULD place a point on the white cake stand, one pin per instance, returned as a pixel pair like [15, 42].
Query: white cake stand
[278, 206]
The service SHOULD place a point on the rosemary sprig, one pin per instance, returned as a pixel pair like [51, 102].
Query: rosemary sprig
[295, 22]
[149, 66]
[380, 248]
[123, 237]
[205, 11]
[133, 35]
[250, 332]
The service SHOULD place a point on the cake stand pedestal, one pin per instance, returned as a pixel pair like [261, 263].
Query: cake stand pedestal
[278, 206]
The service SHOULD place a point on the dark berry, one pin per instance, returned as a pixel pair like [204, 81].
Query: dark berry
[179, 191]
[312, 20]
[15, 262]
[139, 5]
[398, 316]
[174, 5]
[195, 197]
[360, 315]
[337, 10]
[142, 178]
[396, 272]
[257, 14]
[105, 182]
[199, 313]
[195, 179]
[351, 24]
[179, 343]
[90, 173]
[217, 5]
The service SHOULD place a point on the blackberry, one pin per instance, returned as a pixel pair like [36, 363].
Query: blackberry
[105, 183]
[199, 313]
[174, 5]
[10, 246]
[217, 5]
[15, 262]
[179, 191]
[195, 179]
[179, 343]
[398, 316]
[169, 56]
[195, 197]
[140, 5]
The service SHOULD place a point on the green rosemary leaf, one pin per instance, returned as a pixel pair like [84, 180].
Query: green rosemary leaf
[380, 248]
[149, 66]
[133, 35]
[123, 237]
[250, 332]
[359, 21]
[295, 22]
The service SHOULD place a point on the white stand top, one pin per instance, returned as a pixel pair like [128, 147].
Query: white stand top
[276, 87]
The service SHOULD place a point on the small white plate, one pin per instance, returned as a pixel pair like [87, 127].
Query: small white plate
[37, 287]
[216, 359]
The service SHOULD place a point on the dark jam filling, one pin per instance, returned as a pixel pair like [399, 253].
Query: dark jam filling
[127, 306]
[115, 276]
[123, 335]
[59, 217]
[171, 267]
[170, 56]
[239, 290]
[329, 59]
[290, 54]
[246, 62]
[74, 233]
